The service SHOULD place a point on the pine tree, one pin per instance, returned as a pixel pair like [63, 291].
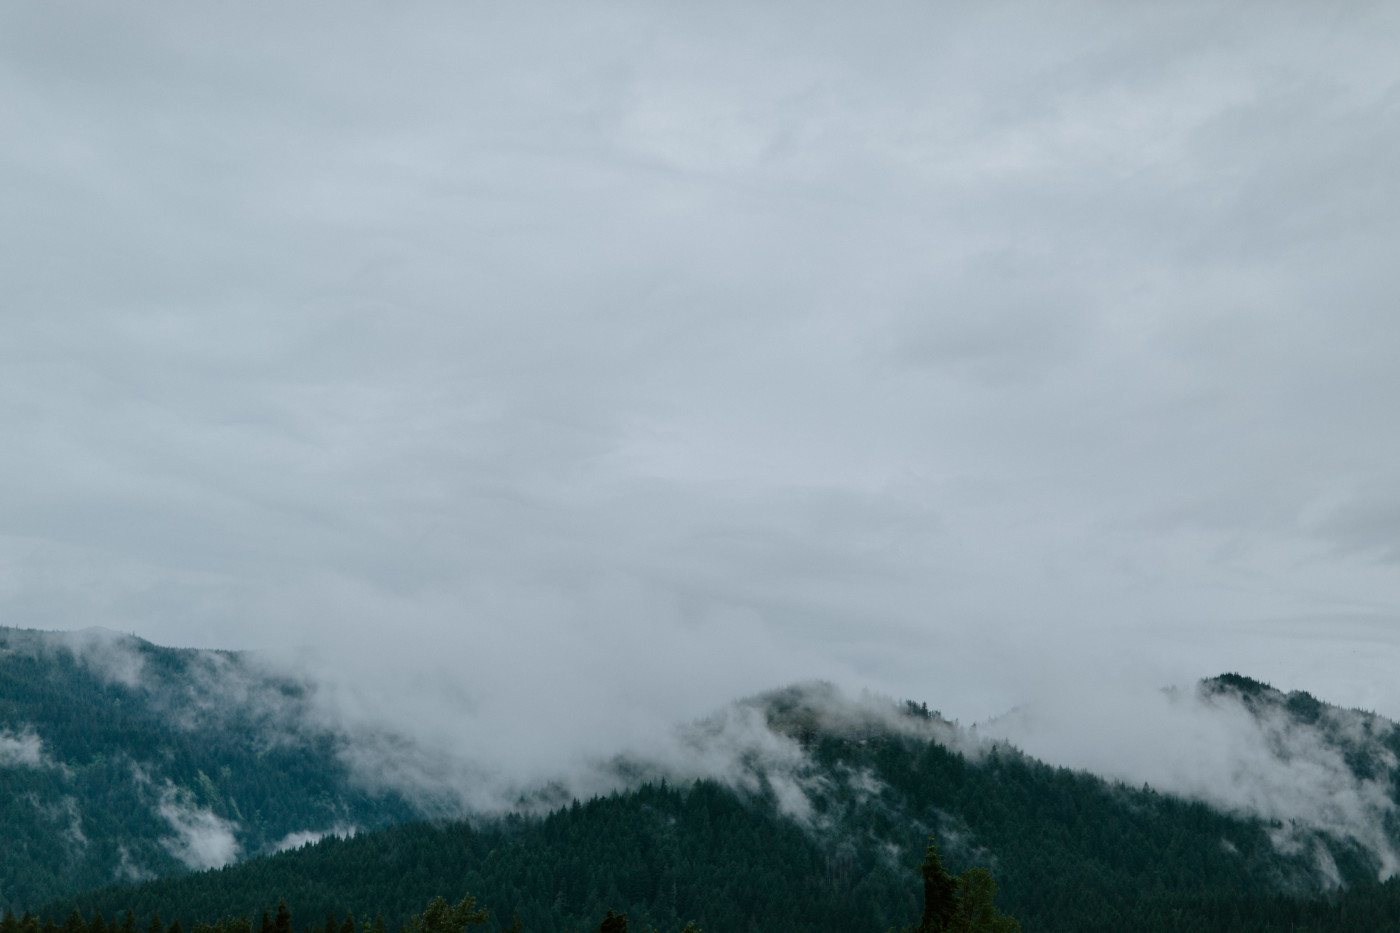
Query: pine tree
[613, 923]
[940, 892]
[439, 917]
[75, 923]
[283, 922]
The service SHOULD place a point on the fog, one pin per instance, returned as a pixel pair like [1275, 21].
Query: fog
[23, 749]
[540, 378]
[1266, 763]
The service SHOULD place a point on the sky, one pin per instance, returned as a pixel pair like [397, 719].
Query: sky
[575, 369]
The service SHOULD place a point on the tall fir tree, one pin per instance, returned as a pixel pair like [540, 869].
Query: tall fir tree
[940, 892]
[75, 923]
[613, 923]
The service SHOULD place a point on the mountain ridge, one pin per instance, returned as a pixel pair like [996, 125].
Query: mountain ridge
[227, 763]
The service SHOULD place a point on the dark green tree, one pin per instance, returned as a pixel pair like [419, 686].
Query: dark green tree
[75, 923]
[282, 923]
[959, 905]
[613, 923]
[977, 913]
[440, 917]
[940, 892]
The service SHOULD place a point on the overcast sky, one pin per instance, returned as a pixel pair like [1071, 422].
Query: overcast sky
[604, 362]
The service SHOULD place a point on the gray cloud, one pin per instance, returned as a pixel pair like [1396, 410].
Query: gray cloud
[22, 749]
[303, 837]
[1264, 762]
[200, 838]
[558, 375]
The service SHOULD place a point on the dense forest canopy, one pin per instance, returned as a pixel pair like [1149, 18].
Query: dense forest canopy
[130, 761]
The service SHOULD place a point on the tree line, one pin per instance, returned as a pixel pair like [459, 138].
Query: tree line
[962, 904]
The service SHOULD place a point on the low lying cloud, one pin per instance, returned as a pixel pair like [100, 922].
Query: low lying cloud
[128, 869]
[296, 840]
[202, 839]
[22, 749]
[1314, 772]
[113, 656]
[1254, 756]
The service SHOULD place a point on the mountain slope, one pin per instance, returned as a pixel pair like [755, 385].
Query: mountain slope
[1071, 852]
[123, 760]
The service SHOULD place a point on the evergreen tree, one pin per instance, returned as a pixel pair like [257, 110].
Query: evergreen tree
[940, 892]
[75, 923]
[613, 923]
[440, 917]
[976, 911]
[283, 921]
[97, 924]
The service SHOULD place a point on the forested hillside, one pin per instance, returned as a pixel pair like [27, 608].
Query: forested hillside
[120, 760]
[124, 762]
[1071, 853]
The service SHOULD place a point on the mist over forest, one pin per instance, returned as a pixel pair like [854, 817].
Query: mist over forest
[201, 787]
[417, 419]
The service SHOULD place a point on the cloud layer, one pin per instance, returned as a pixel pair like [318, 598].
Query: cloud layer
[551, 375]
